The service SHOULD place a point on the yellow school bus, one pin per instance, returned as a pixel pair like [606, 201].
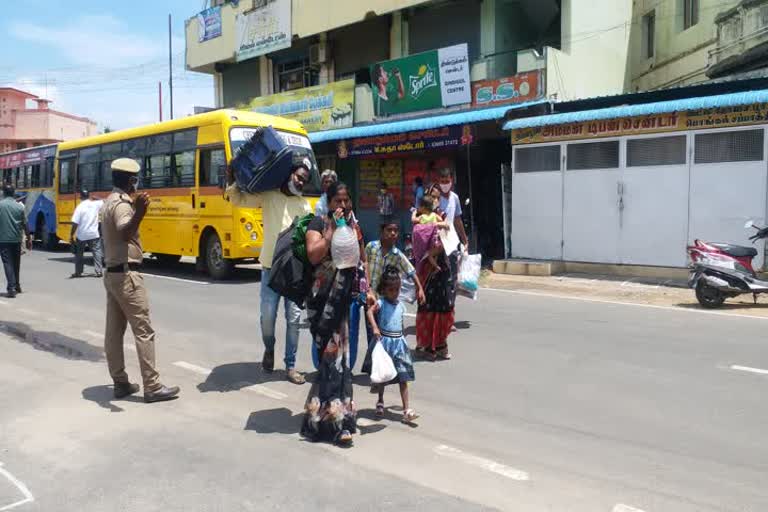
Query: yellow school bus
[183, 169]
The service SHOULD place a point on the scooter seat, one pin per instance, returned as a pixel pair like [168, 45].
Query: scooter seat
[737, 251]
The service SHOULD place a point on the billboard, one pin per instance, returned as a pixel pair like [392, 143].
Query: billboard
[318, 108]
[514, 89]
[433, 79]
[263, 30]
[209, 24]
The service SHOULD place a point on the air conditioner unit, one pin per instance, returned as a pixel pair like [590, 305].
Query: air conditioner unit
[318, 54]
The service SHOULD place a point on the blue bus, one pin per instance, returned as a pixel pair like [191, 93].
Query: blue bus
[30, 171]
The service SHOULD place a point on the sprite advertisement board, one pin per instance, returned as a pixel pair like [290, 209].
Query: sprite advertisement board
[406, 85]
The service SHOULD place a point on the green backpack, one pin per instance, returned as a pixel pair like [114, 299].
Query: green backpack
[299, 242]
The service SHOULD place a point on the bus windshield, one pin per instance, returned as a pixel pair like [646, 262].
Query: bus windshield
[299, 143]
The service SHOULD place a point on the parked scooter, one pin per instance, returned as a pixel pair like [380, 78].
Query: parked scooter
[720, 271]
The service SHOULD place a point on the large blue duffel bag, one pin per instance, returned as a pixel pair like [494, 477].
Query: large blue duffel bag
[263, 162]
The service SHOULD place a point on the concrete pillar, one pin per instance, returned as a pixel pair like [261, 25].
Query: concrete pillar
[325, 75]
[218, 90]
[265, 76]
[398, 36]
[487, 38]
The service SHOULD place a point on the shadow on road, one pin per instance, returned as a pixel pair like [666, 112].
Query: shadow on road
[274, 421]
[236, 376]
[103, 397]
[53, 342]
[728, 306]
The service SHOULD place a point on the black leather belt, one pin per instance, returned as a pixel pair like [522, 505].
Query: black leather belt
[125, 267]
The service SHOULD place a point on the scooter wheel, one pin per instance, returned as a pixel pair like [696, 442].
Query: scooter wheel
[708, 296]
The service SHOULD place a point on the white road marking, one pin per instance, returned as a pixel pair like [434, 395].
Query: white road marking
[26, 311]
[193, 368]
[169, 278]
[4, 303]
[28, 498]
[620, 507]
[749, 369]
[482, 463]
[265, 391]
[621, 303]
[94, 334]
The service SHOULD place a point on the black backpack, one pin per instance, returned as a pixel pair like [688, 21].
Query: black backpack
[291, 273]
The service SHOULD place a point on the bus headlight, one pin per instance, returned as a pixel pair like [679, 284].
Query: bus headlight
[254, 236]
[248, 226]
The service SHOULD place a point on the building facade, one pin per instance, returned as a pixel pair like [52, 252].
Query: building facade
[22, 127]
[394, 90]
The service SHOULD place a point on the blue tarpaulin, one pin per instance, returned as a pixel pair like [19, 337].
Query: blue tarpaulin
[661, 107]
[422, 123]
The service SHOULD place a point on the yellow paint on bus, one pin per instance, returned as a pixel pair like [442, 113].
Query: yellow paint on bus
[183, 166]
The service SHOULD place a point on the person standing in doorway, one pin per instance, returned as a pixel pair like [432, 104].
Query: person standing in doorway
[127, 301]
[12, 231]
[85, 233]
[386, 203]
[279, 208]
[326, 178]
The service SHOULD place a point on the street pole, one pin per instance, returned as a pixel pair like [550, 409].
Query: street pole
[160, 99]
[170, 65]
[473, 232]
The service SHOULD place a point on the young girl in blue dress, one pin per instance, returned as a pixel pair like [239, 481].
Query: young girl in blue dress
[386, 320]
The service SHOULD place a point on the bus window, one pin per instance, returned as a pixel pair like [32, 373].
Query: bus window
[21, 174]
[36, 182]
[47, 173]
[159, 144]
[184, 140]
[213, 166]
[158, 172]
[67, 176]
[184, 169]
[135, 148]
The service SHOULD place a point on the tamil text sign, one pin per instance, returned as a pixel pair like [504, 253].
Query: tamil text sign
[659, 123]
[446, 137]
[263, 30]
[514, 89]
[209, 24]
[318, 108]
[422, 81]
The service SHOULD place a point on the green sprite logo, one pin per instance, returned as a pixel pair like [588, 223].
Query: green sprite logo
[424, 80]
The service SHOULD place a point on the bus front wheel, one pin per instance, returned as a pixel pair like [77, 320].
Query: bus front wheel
[218, 266]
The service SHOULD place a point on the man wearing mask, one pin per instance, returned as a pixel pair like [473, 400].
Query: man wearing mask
[450, 204]
[326, 178]
[279, 208]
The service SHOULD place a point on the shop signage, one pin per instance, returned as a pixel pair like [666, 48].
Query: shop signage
[675, 121]
[422, 81]
[263, 30]
[446, 137]
[209, 24]
[26, 157]
[455, 86]
[514, 89]
[318, 108]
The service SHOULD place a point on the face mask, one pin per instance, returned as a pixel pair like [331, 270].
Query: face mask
[446, 187]
[293, 189]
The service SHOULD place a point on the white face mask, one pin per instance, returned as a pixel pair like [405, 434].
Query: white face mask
[293, 189]
[446, 187]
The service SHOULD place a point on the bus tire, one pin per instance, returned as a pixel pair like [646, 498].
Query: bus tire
[167, 259]
[218, 266]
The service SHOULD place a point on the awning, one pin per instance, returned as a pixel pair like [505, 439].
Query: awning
[422, 123]
[661, 107]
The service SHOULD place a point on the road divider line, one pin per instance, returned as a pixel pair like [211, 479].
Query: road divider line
[193, 368]
[620, 507]
[749, 369]
[622, 303]
[265, 391]
[182, 280]
[28, 498]
[482, 463]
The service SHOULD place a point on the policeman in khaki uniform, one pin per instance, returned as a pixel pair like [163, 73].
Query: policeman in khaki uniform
[126, 295]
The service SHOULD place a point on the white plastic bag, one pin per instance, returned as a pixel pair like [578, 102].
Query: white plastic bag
[382, 367]
[408, 290]
[469, 275]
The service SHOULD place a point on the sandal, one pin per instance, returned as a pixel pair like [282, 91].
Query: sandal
[409, 415]
[444, 354]
[344, 438]
[380, 410]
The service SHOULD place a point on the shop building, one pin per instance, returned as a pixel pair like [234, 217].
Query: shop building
[634, 179]
[393, 90]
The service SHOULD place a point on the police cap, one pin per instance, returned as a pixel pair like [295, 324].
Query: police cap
[128, 165]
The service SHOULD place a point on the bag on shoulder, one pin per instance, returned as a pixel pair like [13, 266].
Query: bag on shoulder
[263, 162]
[291, 273]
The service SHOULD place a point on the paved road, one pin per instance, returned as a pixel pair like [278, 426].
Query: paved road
[549, 405]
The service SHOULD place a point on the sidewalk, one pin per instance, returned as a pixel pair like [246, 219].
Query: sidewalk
[665, 293]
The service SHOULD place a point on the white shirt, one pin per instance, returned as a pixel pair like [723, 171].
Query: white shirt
[86, 217]
[451, 206]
